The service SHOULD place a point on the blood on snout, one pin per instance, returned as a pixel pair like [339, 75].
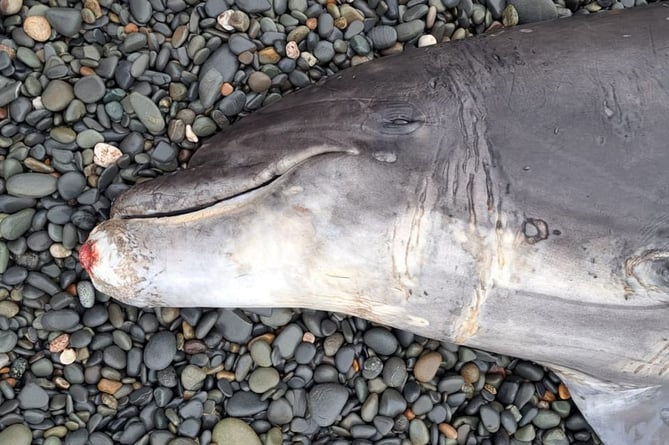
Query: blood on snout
[88, 255]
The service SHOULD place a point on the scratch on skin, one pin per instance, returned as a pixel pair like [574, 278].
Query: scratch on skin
[406, 240]
[660, 358]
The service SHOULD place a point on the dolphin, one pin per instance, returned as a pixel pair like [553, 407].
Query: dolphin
[508, 193]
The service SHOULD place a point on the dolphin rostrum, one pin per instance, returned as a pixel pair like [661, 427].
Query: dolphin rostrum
[508, 193]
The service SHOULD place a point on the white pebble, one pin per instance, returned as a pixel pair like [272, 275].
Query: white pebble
[37, 103]
[105, 154]
[292, 50]
[309, 58]
[57, 250]
[190, 134]
[68, 356]
[427, 40]
[224, 20]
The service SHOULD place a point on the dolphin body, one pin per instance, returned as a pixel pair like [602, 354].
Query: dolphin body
[508, 193]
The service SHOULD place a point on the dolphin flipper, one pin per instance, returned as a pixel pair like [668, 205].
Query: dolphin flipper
[622, 415]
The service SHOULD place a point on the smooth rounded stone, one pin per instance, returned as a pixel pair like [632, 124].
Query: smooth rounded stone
[60, 320]
[32, 396]
[305, 352]
[31, 185]
[562, 408]
[134, 41]
[66, 21]
[395, 372]
[409, 30]
[160, 350]
[382, 36]
[415, 12]
[15, 225]
[259, 82]
[280, 412]
[17, 434]
[344, 358]
[392, 403]
[426, 366]
[89, 89]
[490, 418]
[360, 44]
[192, 377]
[326, 400]
[147, 112]
[555, 436]
[423, 405]
[506, 393]
[370, 408]
[263, 379]
[261, 352]
[546, 419]
[57, 95]
[524, 394]
[234, 431]
[204, 126]
[114, 357]
[372, 368]
[220, 67]
[141, 10]
[233, 104]
[8, 340]
[418, 432]
[530, 11]
[10, 7]
[324, 51]
[525, 434]
[12, 204]
[8, 309]
[245, 404]
[381, 340]
[234, 326]
[529, 371]
[70, 185]
[286, 342]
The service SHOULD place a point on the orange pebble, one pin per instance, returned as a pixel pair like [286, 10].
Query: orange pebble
[448, 430]
[409, 414]
[312, 23]
[131, 27]
[227, 89]
[563, 392]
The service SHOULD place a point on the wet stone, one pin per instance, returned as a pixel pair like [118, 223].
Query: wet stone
[32, 396]
[326, 402]
[382, 36]
[60, 320]
[71, 184]
[234, 431]
[147, 112]
[394, 372]
[15, 225]
[286, 342]
[426, 366]
[89, 89]
[160, 350]
[66, 21]
[380, 340]
[546, 419]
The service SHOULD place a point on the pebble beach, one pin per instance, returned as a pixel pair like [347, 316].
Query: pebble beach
[98, 95]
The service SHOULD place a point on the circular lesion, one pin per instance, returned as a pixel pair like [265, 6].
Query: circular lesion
[534, 230]
[649, 271]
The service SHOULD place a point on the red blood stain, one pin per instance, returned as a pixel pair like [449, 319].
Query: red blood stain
[88, 255]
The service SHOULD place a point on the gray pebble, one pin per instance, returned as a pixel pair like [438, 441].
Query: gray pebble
[31, 185]
[71, 184]
[147, 112]
[382, 36]
[326, 402]
[32, 396]
[381, 340]
[89, 89]
[60, 320]
[66, 21]
[160, 350]
[234, 325]
[530, 11]
[8, 341]
[286, 342]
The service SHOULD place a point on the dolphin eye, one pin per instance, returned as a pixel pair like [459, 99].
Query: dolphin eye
[393, 118]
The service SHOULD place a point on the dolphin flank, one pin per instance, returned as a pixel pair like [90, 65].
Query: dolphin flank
[508, 193]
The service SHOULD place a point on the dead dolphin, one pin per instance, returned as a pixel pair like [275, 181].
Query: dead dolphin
[509, 193]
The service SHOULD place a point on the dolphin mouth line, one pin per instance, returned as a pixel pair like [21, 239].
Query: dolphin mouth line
[265, 181]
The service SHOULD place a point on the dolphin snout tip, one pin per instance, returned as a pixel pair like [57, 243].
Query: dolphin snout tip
[88, 255]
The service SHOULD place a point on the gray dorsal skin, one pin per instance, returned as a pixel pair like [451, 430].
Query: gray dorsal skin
[508, 193]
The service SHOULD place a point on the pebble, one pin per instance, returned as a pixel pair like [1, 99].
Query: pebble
[105, 155]
[89, 89]
[147, 112]
[288, 340]
[8, 341]
[37, 27]
[32, 396]
[160, 350]
[66, 21]
[427, 366]
[531, 11]
[234, 431]
[325, 402]
[10, 7]
[380, 340]
[17, 434]
[263, 379]
[382, 36]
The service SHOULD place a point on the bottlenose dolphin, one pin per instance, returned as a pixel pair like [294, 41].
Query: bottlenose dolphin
[509, 193]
